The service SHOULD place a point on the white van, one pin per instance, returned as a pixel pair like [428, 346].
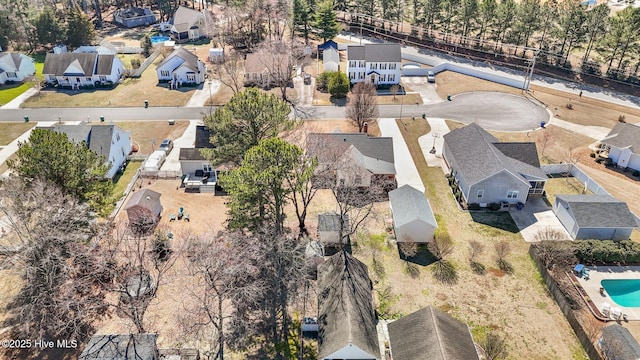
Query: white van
[155, 161]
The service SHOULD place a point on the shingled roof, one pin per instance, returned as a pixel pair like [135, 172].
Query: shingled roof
[10, 61]
[121, 347]
[430, 331]
[189, 59]
[600, 211]
[386, 52]
[75, 133]
[377, 152]
[146, 198]
[345, 307]
[618, 343]
[624, 135]
[409, 204]
[70, 64]
[479, 155]
[184, 18]
[100, 139]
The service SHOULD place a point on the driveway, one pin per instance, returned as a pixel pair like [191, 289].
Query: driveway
[492, 111]
[426, 89]
[187, 140]
[406, 171]
[432, 143]
[305, 92]
[535, 216]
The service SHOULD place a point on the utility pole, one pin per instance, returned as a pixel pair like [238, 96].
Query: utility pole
[527, 80]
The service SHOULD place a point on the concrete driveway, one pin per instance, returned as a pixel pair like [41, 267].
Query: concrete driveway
[426, 89]
[535, 216]
[406, 171]
[187, 140]
[492, 111]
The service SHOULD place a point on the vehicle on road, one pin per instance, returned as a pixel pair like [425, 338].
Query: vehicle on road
[166, 145]
[431, 76]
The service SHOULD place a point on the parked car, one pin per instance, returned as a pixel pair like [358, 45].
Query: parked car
[431, 76]
[167, 145]
[307, 79]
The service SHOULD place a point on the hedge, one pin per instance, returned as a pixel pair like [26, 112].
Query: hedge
[607, 251]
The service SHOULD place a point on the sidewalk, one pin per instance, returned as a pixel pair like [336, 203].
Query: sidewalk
[15, 103]
[594, 132]
[406, 171]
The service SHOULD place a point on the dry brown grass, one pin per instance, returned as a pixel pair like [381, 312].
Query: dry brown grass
[452, 83]
[144, 132]
[11, 131]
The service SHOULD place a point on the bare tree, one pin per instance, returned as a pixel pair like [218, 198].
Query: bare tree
[230, 72]
[141, 262]
[443, 269]
[394, 90]
[476, 248]
[52, 243]
[495, 346]
[225, 269]
[551, 234]
[555, 253]
[362, 104]
[408, 246]
[280, 58]
[547, 135]
[503, 249]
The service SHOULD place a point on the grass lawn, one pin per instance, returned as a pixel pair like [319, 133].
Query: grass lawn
[10, 92]
[569, 185]
[132, 92]
[11, 131]
[144, 133]
[122, 180]
[514, 305]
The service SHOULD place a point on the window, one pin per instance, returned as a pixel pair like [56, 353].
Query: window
[207, 167]
[88, 79]
[117, 137]
[361, 76]
[512, 194]
[103, 78]
[164, 73]
[392, 66]
[382, 77]
[362, 64]
[480, 194]
[383, 66]
[374, 66]
[352, 64]
[12, 75]
[391, 78]
[191, 77]
[358, 180]
[352, 75]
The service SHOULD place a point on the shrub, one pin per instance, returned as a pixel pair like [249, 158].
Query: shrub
[635, 173]
[505, 266]
[622, 119]
[444, 272]
[478, 268]
[338, 85]
[135, 63]
[607, 251]
[593, 155]
[494, 206]
[474, 206]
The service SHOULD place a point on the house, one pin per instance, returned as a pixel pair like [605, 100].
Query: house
[617, 343]
[595, 217]
[15, 67]
[330, 226]
[109, 141]
[265, 71]
[487, 171]
[216, 55]
[134, 16]
[430, 331]
[197, 171]
[82, 69]
[346, 316]
[326, 45]
[331, 59]
[181, 67]
[353, 160]
[121, 347]
[375, 63]
[105, 49]
[413, 219]
[622, 145]
[144, 207]
[188, 25]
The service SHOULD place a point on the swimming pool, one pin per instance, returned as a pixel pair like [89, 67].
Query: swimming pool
[625, 292]
[159, 38]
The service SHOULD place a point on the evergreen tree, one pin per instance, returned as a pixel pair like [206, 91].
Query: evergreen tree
[325, 20]
[49, 29]
[301, 18]
[80, 29]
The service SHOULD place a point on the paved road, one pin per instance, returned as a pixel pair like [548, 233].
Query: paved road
[81, 114]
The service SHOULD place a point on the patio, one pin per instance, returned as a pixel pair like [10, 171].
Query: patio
[593, 283]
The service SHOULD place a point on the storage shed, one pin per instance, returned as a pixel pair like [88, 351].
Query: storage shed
[413, 219]
[617, 343]
[144, 207]
[216, 55]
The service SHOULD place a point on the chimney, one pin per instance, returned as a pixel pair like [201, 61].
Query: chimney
[365, 128]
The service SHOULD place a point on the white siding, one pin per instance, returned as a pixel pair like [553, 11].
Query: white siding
[190, 166]
[120, 148]
[351, 352]
[565, 218]
[634, 162]
[416, 231]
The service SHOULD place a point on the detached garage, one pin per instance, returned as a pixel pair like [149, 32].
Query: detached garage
[599, 217]
[413, 219]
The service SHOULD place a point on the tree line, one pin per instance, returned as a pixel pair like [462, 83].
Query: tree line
[563, 31]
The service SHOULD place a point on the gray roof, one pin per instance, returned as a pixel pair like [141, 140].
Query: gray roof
[330, 221]
[598, 211]
[146, 198]
[330, 55]
[431, 331]
[100, 139]
[184, 18]
[105, 62]
[121, 347]
[525, 152]
[377, 151]
[345, 306]
[57, 64]
[386, 52]
[189, 59]
[618, 343]
[624, 135]
[75, 133]
[409, 204]
[478, 157]
[14, 59]
[191, 154]
[203, 137]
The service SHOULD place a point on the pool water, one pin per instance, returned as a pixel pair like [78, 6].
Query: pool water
[625, 292]
[159, 39]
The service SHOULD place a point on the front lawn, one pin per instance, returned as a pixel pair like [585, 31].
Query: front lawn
[10, 92]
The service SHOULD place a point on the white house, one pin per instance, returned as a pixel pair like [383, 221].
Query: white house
[109, 141]
[188, 24]
[82, 69]
[595, 217]
[181, 67]
[376, 63]
[197, 171]
[15, 67]
[622, 145]
[413, 219]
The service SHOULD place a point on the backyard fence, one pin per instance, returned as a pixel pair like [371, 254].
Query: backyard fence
[138, 72]
[160, 174]
[567, 310]
[574, 171]
[120, 201]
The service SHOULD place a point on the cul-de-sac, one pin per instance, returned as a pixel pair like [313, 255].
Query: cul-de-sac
[320, 179]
